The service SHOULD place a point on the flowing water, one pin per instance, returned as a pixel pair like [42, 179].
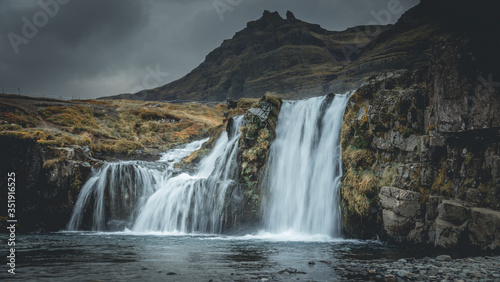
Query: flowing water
[305, 168]
[112, 195]
[194, 203]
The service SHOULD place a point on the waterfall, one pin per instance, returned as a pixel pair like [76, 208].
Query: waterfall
[111, 197]
[195, 203]
[301, 185]
[305, 168]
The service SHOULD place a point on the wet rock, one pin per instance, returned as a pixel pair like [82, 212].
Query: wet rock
[389, 278]
[473, 196]
[448, 235]
[48, 182]
[453, 212]
[402, 202]
[402, 273]
[431, 207]
[443, 258]
[428, 135]
[484, 228]
[401, 210]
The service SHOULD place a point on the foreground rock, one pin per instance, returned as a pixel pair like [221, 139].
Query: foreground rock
[432, 131]
[443, 223]
[440, 268]
[415, 171]
[48, 181]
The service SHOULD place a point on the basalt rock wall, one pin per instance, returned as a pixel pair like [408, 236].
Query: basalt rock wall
[421, 153]
[47, 181]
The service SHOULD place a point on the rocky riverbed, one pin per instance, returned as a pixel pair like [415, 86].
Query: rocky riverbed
[440, 268]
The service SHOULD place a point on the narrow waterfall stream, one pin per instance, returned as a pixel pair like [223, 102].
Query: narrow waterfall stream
[194, 203]
[110, 199]
[305, 168]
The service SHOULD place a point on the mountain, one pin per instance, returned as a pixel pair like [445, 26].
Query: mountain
[286, 56]
[296, 59]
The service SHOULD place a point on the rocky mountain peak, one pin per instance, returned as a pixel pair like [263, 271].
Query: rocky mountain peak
[290, 16]
[268, 19]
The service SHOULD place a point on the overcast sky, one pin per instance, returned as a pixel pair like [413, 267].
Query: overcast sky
[95, 48]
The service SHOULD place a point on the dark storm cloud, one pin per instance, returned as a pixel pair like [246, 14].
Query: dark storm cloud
[97, 48]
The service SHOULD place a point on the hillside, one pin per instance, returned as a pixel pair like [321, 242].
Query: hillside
[286, 56]
[109, 128]
[295, 59]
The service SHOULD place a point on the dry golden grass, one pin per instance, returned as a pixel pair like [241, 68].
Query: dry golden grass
[108, 127]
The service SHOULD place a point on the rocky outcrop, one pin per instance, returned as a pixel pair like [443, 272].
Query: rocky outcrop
[445, 169]
[433, 131]
[401, 211]
[48, 181]
[439, 222]
[257, 134]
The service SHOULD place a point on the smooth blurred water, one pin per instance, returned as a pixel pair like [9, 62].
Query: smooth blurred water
[116, 191]
[124, 256]
[305, 167]
[195, 203]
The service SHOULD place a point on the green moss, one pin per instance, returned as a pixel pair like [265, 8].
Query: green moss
[48, 164]
[255, 142]
[116, 147]
[468, 158]
[20, 135]
[359, 190]
[441, 185]
[389, 176]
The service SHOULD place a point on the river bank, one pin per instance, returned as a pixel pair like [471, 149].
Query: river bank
[439, 268]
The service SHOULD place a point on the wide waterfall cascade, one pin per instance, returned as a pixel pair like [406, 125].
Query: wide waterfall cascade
[305, 168]
[111, 197]
[195, 203]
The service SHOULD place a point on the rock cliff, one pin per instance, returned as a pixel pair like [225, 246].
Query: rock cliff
[421, 145]
[46, 191]
[423, 133]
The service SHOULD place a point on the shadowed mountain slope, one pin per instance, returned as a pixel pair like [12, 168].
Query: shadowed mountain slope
[296, 59]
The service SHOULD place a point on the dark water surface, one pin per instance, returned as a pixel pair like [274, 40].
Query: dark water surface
[86, 256]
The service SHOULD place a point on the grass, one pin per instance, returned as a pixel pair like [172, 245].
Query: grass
[117, 127]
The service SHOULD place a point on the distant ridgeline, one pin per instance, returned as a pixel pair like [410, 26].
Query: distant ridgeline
[286, 56]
